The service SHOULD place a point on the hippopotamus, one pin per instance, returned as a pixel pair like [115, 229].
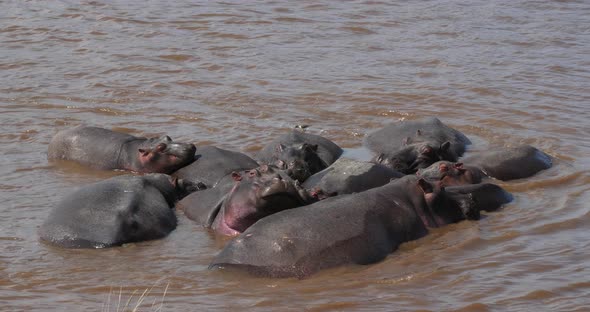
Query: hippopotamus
[346, 176]
[360, 228]
[116, 211]
[105, 149]
[301, 154]
[504, 164]
[241, 199]
[213, 163]
[407, 146]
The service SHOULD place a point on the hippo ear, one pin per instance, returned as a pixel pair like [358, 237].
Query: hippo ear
[445, 146]
[380, 158]
[236, 176]
[407, 141]
[418, 132]
[161, 147]
[280, 148]
[173, 181]
[425, 186]
[143, 152]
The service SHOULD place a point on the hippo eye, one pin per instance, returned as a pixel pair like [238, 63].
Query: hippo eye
[168, 138]
[161, 147]
[281, 164]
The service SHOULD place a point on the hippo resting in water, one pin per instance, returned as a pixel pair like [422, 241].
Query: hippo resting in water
[301, 154]
[359, 228]
[347, 176]
[212, 164]
[407, 146]
[243, 198]
[502, 163]
[116, 211]
[105, 149]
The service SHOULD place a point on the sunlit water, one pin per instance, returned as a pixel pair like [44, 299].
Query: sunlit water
[237, 74]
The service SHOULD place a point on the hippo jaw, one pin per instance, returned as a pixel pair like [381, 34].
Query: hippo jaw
[442, 208]
[451, 174]
[260, 193]
[164, 155]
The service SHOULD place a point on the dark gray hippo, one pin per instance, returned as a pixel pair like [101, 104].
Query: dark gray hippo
[360, 228]
[213, 163]
[301, 154]
[407, 146]
[105, 149]
[501, 163]
[116, 211]
[346, 176]
[241, 199]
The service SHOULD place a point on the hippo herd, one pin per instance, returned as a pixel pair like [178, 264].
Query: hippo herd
[295, 207]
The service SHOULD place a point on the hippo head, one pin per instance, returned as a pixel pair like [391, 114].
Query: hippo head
[172, 188]
[450, 173]
[445, 208]
[300, 161]
[163, 155]
[257, 193]
[417, 156]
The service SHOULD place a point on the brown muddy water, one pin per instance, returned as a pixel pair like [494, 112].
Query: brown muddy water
[237, 74]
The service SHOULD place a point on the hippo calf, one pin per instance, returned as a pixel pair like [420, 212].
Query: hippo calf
[407, 146]
[241, 199]
[300, 154]
[116, 211]
[504, 164]
[359, 228]
[105, 149]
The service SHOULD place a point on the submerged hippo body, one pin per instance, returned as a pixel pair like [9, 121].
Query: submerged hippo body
[359, 228]
[502, 163]
[105, 149]
[301, 154]
[511, 163]
[347, 176]
[212, 164]
[116, 211]
[407, 146]
[241, 199]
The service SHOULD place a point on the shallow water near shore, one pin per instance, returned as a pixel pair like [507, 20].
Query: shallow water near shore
[237, 75]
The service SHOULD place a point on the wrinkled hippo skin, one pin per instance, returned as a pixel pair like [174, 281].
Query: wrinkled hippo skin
[212, 164]
[347, 176]
[234, 205]
[501, 163]
[510, 163]
[300, 154]
[359, 228]
[105, 149]
[407, 146]
[116, 211]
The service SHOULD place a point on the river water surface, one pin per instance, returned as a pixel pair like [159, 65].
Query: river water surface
[237, 74]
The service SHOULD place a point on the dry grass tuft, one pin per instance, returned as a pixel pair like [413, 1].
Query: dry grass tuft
[139, 302]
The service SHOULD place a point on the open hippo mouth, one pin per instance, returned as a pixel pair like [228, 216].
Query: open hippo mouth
[250, 201]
